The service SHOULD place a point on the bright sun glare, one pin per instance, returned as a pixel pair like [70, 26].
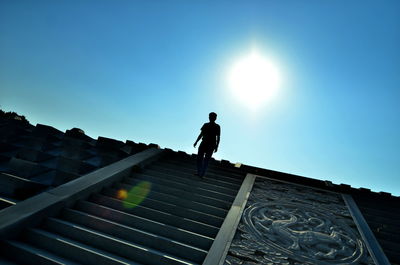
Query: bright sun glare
[254, 80]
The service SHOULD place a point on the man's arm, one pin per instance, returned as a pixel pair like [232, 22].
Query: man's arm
[198, 138]
[218, 136]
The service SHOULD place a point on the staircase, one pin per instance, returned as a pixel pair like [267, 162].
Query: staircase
[383, 218]
[161, 214]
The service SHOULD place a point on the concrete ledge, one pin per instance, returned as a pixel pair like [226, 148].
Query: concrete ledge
[373, 246]
[26, 213]
[219, 249]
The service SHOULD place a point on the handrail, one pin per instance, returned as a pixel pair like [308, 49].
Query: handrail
[219, 249]
[368, 237]
[31, 212]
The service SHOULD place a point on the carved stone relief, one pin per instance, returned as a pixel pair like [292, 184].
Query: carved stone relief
[289, 224]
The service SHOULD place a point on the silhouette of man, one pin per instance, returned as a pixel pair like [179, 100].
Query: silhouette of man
[210, 135]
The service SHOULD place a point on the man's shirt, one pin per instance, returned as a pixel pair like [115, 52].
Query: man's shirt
[210, 132]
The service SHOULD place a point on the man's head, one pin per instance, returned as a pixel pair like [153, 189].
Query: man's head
[212, 116]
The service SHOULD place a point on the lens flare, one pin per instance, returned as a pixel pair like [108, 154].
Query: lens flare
[122, 194]
[135, 196]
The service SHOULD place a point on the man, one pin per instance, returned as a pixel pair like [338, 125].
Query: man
[210, 135]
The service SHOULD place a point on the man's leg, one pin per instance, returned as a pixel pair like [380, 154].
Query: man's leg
[206, 159]
[200, 159]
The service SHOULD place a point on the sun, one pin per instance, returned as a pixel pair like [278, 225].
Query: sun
[254, 80]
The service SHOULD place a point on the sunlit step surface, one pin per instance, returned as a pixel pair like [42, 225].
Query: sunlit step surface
[212, 172]
[175, 171]
[189, 186]
[164, 206]
[158, 216]
[213, 168]
[190, 180]
[186, 195]
[145, 224]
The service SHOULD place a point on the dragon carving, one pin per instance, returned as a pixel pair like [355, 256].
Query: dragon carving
[283, 224]
[328, 245]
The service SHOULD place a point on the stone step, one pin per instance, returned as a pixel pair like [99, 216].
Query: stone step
[383, 220]
[214, 167]
[390, 236]
[374, 224]
[383, 205]
[135, 235]
[182, 194]
[156, 215]
[393, 256]
[378, 212]
[72, 249]
[201, 183]
[192, 167]
[174, 195]
[212, 171]
[110, 243]
[192, 186]
[389, 245]
[23, 253]
[19, 187]
[176, 200]
[178, 172]
[144, 224]
[6, 202]
[147, 202]
[167, 173]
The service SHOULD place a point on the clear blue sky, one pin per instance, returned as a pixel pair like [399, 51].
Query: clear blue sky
[151, 71]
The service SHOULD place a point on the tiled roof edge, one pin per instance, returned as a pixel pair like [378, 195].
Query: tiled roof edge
[324, 184]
